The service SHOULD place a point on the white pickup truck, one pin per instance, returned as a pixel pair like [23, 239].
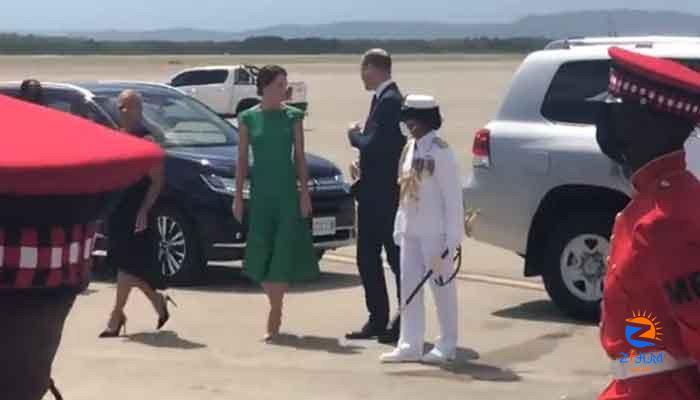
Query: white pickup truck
[229, 89]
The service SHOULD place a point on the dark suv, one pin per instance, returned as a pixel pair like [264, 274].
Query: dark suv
[193, 214]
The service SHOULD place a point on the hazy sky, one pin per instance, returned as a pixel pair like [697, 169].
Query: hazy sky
[236, 15]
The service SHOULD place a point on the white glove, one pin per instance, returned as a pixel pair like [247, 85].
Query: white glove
[438, 264]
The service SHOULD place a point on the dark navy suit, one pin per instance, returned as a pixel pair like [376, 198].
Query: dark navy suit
[377, 193]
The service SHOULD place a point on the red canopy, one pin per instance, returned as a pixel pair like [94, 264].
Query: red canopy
[48, 152]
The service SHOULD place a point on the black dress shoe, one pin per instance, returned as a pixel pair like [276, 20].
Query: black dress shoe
[369, 331]
[391, 336]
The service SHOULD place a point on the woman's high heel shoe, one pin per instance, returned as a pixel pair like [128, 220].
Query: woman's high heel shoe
[107, 333]
[163, 319]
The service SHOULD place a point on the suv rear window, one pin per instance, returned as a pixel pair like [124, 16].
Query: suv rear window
[577, 81]
[573, 83]
[202, 77]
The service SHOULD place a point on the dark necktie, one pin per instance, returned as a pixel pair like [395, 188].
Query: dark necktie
[374, 104]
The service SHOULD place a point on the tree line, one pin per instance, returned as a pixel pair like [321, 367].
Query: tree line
[16, 44]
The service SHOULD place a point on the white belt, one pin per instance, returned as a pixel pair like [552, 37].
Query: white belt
[630, 369]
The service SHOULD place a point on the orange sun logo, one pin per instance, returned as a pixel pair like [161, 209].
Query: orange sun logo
[643, 330]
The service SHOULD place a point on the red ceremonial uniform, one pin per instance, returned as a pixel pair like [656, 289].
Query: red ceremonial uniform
[650, 323]
[654, 269]
[57, 173]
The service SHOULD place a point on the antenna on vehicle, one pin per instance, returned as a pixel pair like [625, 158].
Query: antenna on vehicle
[612, 31]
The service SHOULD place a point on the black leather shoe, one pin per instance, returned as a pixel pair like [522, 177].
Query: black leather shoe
[391, 336]
[369, 331]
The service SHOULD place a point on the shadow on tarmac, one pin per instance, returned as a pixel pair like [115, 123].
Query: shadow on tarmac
[462, 369]
[539, 310]
[315, 343]
[164, 339]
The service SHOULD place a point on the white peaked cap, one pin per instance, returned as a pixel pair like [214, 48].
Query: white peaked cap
[420, 102]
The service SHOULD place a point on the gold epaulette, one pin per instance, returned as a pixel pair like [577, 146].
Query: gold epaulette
[404, 152]
[408, 180]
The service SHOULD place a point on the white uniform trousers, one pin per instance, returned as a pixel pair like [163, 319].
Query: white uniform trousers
[416, 255]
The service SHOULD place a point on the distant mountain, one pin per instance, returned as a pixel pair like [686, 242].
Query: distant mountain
[584, 23]
[620, 22]
[378, 30]
[562, 25]
[167, 35]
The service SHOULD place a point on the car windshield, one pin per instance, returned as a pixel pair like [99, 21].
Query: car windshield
[177, 120]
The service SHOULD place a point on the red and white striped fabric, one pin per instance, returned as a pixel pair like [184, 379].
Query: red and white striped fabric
[664, 85]
[46, 257]
[62, 165]
[656, 96]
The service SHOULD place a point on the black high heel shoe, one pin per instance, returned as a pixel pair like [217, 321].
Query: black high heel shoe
[113, 334]
[163, 319]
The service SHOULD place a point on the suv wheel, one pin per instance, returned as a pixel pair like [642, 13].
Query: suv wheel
[575, 263]
[179, 256]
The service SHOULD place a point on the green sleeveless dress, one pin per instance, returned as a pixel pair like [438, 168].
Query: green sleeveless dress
[279, 242]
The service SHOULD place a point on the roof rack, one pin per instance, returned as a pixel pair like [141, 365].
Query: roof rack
[639, 41]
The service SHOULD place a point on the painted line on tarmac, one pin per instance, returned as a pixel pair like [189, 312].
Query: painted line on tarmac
[488, 279]
[481, 278]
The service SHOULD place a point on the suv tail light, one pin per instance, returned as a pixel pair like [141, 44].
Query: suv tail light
[481, 150]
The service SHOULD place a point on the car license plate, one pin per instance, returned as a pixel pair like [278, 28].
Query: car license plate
[324, 226]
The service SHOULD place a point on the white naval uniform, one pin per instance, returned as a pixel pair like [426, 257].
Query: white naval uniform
[424, 228]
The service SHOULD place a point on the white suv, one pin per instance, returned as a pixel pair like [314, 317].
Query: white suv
[540, 184]
[230, 89]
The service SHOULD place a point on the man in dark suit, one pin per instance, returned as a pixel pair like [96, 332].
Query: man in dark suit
[380, 144]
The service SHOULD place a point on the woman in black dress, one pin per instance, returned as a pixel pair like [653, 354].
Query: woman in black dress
[132, 244]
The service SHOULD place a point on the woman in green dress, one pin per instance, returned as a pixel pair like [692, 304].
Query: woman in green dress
[279, 248]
